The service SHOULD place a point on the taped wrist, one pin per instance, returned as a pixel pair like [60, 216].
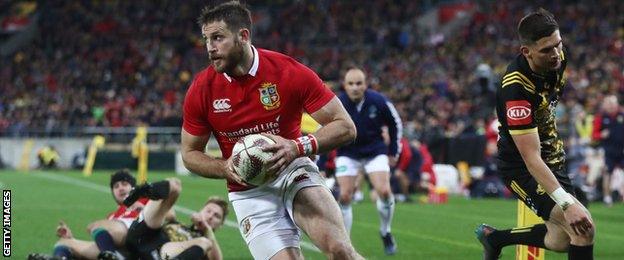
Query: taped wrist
[562, 198]
[306, 145]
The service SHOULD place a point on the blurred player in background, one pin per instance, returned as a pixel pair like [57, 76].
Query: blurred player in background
[531, 156]
[609, 132]
[407, 169]
[153, 236]
[247, 90]
[48, 157]
[370, 111]
[108, 234]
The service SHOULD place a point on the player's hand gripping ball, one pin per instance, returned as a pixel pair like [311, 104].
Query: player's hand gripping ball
[249, 161]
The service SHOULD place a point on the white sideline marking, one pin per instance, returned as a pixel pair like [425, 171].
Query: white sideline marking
[105, 189]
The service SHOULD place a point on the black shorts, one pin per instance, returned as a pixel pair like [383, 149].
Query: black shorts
[613, 161]
[526, 188]
[144, 242]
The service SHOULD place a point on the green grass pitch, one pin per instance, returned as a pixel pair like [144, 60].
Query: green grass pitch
[422, 231]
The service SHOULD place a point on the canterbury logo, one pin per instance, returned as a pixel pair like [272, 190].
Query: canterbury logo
[222, 105]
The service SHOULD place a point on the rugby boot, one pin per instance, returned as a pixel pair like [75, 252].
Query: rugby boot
[390, 247]
[490, 252]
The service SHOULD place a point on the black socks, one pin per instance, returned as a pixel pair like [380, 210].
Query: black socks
[581, 252]
[530, 236]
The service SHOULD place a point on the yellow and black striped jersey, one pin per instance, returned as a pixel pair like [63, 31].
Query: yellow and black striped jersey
[525, 103]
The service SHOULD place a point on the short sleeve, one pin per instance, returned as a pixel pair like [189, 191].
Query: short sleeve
[194, 114]
[315, 93]
[518, 108]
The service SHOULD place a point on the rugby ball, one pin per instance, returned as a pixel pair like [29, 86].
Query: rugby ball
[249, 161]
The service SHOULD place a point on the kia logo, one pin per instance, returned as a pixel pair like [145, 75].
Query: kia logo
[518, 112]
[221, 105]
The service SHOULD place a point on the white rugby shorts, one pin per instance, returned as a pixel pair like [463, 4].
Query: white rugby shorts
[126, 221]
[347, 166]
[265, 213]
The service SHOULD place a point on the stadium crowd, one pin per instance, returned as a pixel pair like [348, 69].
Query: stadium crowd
[125, 63]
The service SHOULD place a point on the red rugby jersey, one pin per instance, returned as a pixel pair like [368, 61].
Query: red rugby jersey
[271, 98]
[123, 211]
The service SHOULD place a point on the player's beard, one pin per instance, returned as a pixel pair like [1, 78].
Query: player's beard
[234, 58]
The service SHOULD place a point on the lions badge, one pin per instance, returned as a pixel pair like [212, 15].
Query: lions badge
[246, 226]
[269, 97]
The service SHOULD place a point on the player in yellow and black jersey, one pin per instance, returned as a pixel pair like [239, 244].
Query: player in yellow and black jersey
[526, 103]
[531, 156]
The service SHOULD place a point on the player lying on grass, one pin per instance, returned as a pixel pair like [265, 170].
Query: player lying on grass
[151, 236]
[108, 234]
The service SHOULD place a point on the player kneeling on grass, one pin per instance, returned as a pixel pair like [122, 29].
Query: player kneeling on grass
[152, 237]
[531, 158]
[108, 234]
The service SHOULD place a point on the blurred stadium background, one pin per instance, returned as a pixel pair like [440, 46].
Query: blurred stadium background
[72, 70]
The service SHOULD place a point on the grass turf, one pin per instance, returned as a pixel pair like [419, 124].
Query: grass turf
[422, 231]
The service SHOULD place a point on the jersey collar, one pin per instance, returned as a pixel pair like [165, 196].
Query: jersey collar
[526, 69]
[254, 65]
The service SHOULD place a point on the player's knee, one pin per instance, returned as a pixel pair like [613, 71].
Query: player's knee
[590, 234]
[384, 193]
[586, 238]
[345, 198]
[118, 234]
[581, 239]
[94, 225]
[560, 245]
[91, 227]
[340, 249]
[175, 186]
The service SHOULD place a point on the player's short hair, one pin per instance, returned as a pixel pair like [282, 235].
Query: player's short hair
[235, 15]
[122, 175]
[221, 203]
[536, 25]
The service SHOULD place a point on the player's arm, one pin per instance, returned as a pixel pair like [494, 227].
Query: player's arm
[523, 130]
[395, 131]
[195, 134]
[529, 147]
[200, 223]
[194, 158]
[517, 94]
[337, 127]
[215, 251]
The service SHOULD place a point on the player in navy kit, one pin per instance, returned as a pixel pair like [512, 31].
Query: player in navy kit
[371, 112]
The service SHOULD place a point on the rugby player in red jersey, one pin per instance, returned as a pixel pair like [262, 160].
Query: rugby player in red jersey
[248, 90]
